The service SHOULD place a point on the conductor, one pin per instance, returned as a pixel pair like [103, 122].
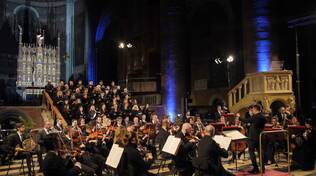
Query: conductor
[257, 123]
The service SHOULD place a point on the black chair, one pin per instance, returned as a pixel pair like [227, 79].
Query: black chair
[21, 166]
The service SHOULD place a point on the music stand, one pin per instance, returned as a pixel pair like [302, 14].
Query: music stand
[274, 137]
[171, 148]
[114, 156]
[234, 133]
[293, 129]
[218, 127]
[230, 118]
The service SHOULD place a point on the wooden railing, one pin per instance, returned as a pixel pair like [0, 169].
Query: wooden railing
[261, 83]
[53, 109]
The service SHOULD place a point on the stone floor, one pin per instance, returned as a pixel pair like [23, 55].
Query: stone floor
[243, 165]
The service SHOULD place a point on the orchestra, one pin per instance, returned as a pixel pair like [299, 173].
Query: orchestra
[99, 116]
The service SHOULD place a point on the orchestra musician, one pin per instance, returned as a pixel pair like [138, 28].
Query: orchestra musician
[41, 136]
[182, 160]
[14, 142]
[272, 144]
[208, 162]
[275, 123]
[59, 127]
[136, 165]
[218, 113]
[163, 133]
[55, 165]
[304, 148]
[257, 123]
[75, 134]
[248, 115]
[282, 116]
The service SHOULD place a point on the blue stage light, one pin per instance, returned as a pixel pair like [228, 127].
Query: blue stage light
[103, 24]
[262, 28]
[171, 87]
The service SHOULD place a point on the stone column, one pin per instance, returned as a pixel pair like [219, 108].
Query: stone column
[259, 44]
[69, 37]
[239, 93]
[174, 57]
[245, 88]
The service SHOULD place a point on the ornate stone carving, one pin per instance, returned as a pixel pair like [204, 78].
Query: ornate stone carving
[35, 63]
[277, 83]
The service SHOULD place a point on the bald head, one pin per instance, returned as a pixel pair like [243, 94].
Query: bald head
[48, 125]
[209, 130]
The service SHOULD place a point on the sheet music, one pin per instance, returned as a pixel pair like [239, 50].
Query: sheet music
[172, 144]
[114, 157]
[224, 142]
[234, 135]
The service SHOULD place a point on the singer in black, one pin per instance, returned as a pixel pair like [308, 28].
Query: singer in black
[257, 123]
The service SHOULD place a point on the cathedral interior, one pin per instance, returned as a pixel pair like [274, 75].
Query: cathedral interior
[178, 56]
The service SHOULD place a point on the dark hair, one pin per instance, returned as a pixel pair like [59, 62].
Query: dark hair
[309, 121]
[132, 137]
[19, 125]
[51, 142]
[258, 107]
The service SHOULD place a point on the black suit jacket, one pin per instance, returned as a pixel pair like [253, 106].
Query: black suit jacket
[13, 140]
[41, 136]
[162, 137]
[136, 165]
[216, 116]
[209, 156]
[182, 159]
[53, 165]
[257, 123]
[59, 128]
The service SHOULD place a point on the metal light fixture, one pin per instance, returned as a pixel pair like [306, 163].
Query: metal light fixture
[230, 59]
[129, 45]
[218, 60]
[121, 45]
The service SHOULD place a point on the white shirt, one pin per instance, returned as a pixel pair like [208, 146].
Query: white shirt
[20, 135]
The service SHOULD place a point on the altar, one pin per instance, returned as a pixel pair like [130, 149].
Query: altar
[36, 65]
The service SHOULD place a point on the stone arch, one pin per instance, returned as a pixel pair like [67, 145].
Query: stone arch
[9, 117]
[217, 99]
[20, 7]
[276, 104]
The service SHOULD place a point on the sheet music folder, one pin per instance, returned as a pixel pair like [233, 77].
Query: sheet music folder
[115, 156]
[172, 145]
[235, 135]
[222, 141]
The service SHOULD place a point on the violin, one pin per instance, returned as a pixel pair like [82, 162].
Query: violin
[95, 135]
[190, 137]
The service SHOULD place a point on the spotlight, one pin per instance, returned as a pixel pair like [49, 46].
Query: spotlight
[129, 45]
[218, 61]
[230, 59]
[121, 45]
